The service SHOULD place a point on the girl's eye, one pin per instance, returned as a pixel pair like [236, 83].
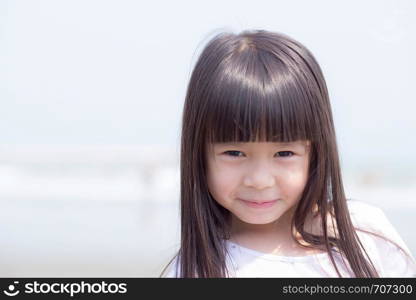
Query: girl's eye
[235, 153]
[230, 153]
[286, 153]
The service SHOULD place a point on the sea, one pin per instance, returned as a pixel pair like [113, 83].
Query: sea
[113, 210]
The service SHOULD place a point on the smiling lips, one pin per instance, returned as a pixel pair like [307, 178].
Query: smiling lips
[259, 204]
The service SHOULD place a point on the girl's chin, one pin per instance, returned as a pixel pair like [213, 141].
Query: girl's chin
[258, 220]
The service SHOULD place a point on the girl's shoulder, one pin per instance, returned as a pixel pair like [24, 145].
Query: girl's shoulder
[381, 240]
[369, 217]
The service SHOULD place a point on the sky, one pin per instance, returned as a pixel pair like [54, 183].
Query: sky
[88, 82]
[115, 72]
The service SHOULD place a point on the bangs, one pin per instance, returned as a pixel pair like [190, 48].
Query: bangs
[256, 97]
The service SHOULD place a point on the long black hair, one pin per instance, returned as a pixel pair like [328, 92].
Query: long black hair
[260, 85]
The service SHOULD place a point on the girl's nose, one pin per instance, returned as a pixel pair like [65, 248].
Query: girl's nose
[259, 177]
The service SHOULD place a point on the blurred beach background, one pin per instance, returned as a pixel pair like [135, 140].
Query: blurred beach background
[91, 96]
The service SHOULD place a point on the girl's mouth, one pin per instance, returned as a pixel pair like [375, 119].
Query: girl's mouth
[262, 204]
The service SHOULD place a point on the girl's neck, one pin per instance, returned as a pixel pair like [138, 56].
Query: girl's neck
[274, 238]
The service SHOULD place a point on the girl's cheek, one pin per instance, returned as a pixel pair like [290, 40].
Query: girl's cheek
[292, 174]
[217, 174]
[225, 176]
[223, 181]
[294, 181]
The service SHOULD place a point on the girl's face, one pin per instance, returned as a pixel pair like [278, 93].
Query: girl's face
[242, 176]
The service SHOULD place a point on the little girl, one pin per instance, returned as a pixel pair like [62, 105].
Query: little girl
[261, 187]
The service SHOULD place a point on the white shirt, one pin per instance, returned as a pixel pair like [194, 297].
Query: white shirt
[387, 258]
